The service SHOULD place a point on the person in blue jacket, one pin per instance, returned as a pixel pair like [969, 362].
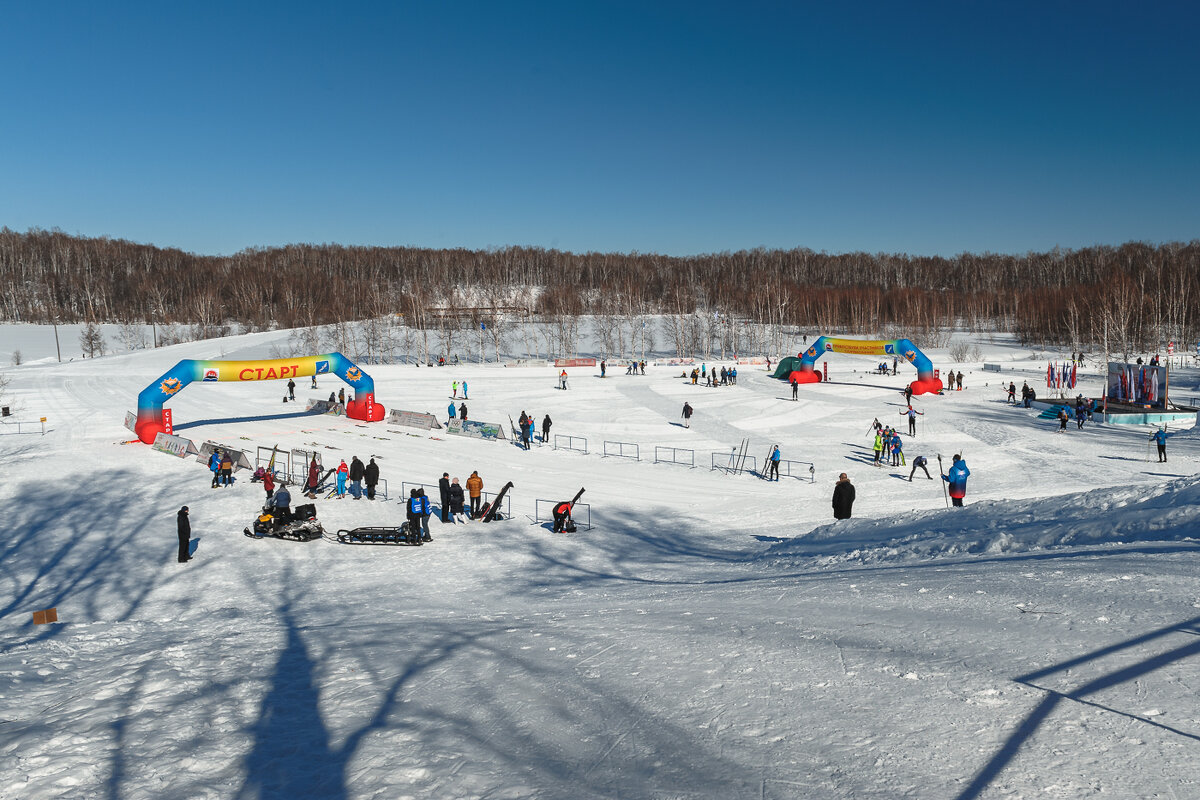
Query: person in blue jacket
[773, 468]
[453, 410]
[282, 502]
[957, 478]
[214, 464]
[426, 510]
[1160, 438]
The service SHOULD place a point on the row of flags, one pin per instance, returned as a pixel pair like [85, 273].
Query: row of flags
[1061, 375]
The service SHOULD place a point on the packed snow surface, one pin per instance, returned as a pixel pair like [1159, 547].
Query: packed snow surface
[712, 635]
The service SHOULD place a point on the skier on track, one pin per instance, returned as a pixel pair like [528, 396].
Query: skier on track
[957, 478]
[919, 461]
[912, 413]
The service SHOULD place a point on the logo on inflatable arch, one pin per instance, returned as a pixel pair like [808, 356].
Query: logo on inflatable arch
[889, 349]
[322, 367]
[829, 346]
[911, 355]
[212, 374]
[812, 352]
[353, 374]
[170, 386]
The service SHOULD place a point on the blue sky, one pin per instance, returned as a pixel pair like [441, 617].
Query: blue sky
[678, 128]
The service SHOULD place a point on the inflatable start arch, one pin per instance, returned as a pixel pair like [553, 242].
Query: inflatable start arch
[151, 399]
[925, 383]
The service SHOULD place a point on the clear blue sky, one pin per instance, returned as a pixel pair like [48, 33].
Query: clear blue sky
[670, 127]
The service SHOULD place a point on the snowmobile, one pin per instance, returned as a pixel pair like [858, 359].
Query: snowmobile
[300, 526]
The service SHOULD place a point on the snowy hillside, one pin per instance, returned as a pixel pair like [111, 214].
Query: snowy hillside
[711, 635]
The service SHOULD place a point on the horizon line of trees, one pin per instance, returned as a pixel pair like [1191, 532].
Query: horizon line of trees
[1136, 296]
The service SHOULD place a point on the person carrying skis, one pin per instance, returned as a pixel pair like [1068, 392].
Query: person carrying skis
[843, 497]
[356, 475]
[342, 472]
[185, 535]
[773, 464]
[912, 413]
[546, 423]
[687, 415]
[919, 461]
[957, 478]
[371, 476]
[1160, 437]
[475, 490]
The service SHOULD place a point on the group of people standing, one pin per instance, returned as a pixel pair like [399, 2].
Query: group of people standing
[726, 377]
[526, 428]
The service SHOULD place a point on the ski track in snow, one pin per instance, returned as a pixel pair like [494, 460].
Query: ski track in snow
[713, 636]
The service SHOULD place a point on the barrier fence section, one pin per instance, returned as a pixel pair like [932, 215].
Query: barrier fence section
[16, 426]
[435, 497]
[731, 463]
[622, 450]
[264, 456]
[543, 511]
[576, 443]
[794, 469]
[674, 455]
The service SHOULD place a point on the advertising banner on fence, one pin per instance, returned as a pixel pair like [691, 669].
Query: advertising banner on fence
[174, 445]
[574, 362]
[476, 430]
[325, 407]
[674, 362]
[239, 457]
[413, 419]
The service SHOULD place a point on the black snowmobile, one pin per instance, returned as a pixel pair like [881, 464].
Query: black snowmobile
[299, 526]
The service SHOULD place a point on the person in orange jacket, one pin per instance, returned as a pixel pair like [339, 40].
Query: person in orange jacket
[475, 489]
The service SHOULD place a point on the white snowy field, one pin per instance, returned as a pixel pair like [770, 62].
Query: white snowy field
[712, 636]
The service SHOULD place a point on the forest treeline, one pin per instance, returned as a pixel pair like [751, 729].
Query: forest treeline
[1139, 295]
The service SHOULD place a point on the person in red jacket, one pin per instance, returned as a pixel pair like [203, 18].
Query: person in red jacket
[562, 517]
[269, 483]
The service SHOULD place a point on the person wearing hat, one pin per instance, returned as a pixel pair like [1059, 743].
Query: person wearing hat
[444, 495]
[843, 497]
[185, 535]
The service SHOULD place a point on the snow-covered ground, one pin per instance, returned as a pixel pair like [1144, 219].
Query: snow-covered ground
[712, 636]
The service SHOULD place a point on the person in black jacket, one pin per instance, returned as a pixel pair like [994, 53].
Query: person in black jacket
[185, 535]
[462, 411]
[371, 474]
[413, 507]
[356, 476]
[843, 497]
[457, 499]
[546, 423]
[444, 491]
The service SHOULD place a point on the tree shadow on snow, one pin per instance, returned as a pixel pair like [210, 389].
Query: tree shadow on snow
[1121, 673]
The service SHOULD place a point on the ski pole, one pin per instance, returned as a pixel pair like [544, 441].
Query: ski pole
[945, 492]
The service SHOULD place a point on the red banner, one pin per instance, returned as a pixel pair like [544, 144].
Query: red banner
[574, 362]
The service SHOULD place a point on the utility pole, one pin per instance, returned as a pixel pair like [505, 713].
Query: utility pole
[54, 322]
